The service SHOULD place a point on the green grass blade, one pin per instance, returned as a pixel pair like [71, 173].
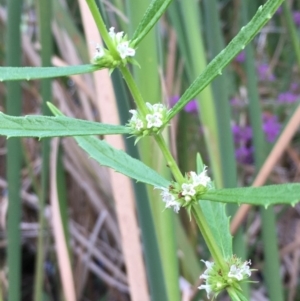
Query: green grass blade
[46, 126]
[190, 263]
[146, 221]
[45, 18]
[147, 79]
[30, 73]
[14, 154]
[221, 95]
[192, 44]
[152, 15]
[272, 266]
[215, 67]
[154, 267]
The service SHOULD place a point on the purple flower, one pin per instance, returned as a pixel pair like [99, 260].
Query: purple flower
[296, 17]
[191, 107]
[287, 97]
[271, 127]
[244, 154]
[264, 73]
[240, 58]
[241, 134]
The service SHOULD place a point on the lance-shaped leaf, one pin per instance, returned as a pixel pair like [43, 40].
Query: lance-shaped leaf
[118, 160]
[45, 126]
[215, 67]
[217, 220]
[150, 18]
[30, 73]
[264, 196]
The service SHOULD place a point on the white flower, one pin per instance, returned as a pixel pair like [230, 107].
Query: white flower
[235, 272]
[99, 53]
[246, 268]
[124, 50]
[169, 199]
[158, 107]
[188, 189]
[206, 287]
[134, 114]
[135, 122]
[239, 272]
[112, 33]
[121, 43]
[201, 179]
[154, 120]
[139, 124]
[209, 265]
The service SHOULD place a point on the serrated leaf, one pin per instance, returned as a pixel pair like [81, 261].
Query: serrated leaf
[264, 196]
[215, 67]
[45, 126]
[30, 73]
[118, 160]
[152, 15]
[217, 220]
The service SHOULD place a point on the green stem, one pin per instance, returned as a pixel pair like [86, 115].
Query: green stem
[204, 228]
[234, 295]
[170, 160]
[292, 30]
[208, 236]
[135, 92]
[102, 27]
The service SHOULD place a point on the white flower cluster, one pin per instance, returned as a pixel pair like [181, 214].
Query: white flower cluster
[189, 189]
[240, 272]
[154, 120]
[216, 280]
[181, 195]
[121, 43]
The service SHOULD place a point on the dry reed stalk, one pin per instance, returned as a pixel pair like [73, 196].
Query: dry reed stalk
[122, 188]
[63, 258]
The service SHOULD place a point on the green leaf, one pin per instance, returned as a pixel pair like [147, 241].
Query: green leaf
[29, 73]
[45, 126]
[118, 160]
[217, 220]
[150, 18]
[265, 195]
[215, 67]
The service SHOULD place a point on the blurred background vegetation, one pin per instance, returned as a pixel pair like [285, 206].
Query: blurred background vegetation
[121, 244]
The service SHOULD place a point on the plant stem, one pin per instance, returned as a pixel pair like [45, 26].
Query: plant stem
[208, 236]
[170, 160]
[204, 228]
[101, 27]
[135, 92]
